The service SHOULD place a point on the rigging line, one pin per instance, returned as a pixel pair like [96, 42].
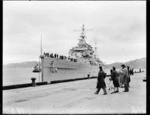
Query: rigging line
[41, 44]
[39, 70]
[40, 64]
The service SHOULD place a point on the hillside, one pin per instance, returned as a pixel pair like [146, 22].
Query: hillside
[117, 65]
[29, 64]
[137, 63]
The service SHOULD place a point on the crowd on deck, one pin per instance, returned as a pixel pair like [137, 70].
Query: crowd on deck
[120, 79]
[59, 57]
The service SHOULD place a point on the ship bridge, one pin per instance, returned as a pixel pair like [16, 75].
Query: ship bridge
[83, 51]
[79, 49]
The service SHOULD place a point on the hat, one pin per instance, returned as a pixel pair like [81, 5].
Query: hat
[114, 68]
[123, 66]
[100, 67]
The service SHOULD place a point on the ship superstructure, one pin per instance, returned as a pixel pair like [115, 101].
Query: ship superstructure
[84, 52]
[80, 62]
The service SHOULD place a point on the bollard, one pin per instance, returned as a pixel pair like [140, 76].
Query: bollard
[144, 79]
[33, 81]
[88, 75]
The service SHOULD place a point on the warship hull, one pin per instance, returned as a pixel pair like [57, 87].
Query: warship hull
[59, 69]
[82, 62]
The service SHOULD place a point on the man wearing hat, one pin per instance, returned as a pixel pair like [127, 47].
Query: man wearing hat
[101, 81]
[125, 77]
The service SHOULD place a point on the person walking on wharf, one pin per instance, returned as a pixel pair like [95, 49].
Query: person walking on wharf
[114, 76]
[101, 81]
[126, 78]
[121, 78]
[128, 68]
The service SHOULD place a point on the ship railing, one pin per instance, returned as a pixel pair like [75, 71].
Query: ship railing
[56, 56]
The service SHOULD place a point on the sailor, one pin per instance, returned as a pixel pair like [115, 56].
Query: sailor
[47, 55]
[54, 55]
[51, 55]
[126, 78]
[114, 76]
[101, 81]
[44, 54]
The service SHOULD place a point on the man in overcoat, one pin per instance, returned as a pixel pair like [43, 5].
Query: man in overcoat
[101, 81]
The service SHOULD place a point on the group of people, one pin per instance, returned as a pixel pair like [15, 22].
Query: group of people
[119, 79]
[59, 57]
[131, 71]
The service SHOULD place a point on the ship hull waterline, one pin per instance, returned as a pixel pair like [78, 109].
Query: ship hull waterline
[58, 69]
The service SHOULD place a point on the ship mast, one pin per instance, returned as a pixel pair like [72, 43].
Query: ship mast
[41, 44]
[40, 61]
[83, 32]
[95, 50]
[41, 57]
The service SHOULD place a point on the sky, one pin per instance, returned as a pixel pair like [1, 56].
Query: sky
[117, 27]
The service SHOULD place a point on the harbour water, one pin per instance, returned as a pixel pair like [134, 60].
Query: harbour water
[13, 76]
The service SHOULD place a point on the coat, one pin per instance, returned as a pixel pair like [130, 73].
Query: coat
[125, 76]
[115, 79]
[120, 77]
[101, 80]
[129, 73]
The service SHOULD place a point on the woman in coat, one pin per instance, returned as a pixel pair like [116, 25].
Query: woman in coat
[114, 76]
[121, 82]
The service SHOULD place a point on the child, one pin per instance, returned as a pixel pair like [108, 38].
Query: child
[110, 85]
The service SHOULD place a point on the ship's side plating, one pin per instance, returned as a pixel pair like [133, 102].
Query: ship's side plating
[60, 69]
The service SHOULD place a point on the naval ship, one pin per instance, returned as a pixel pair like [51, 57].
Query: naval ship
[81, 62]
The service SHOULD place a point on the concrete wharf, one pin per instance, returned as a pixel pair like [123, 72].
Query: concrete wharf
[76, 97]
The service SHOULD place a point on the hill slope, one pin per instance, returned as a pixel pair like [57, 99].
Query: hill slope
[137, 63]
[29, 64]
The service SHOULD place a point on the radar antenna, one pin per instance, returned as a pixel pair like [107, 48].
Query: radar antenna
[95, 48]
[83, 31]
